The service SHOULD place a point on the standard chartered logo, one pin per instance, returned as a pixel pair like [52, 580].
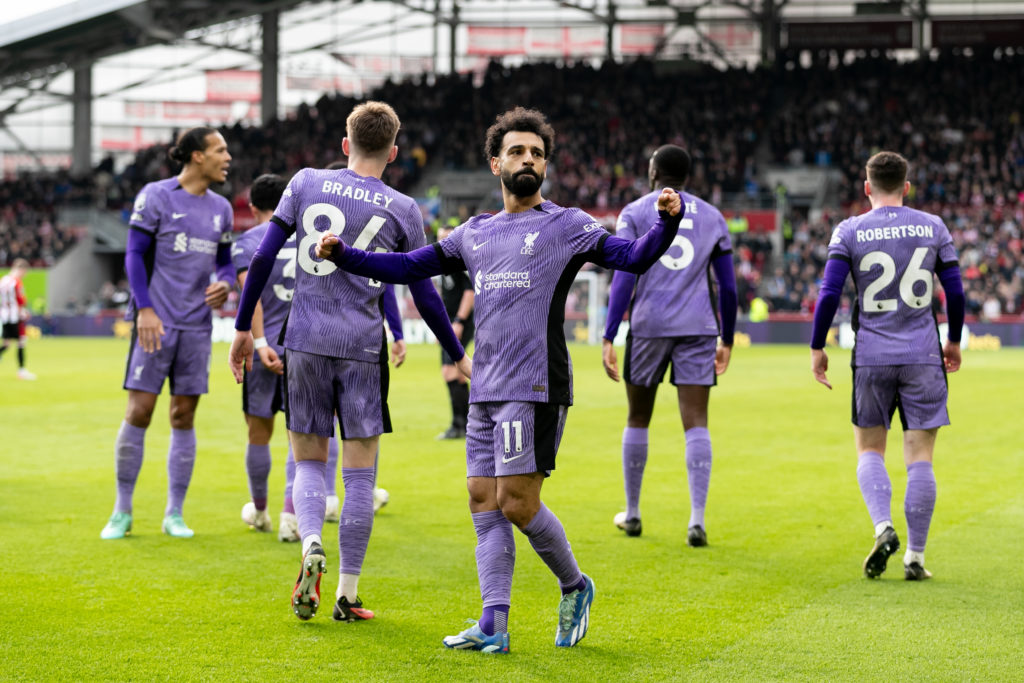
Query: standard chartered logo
[509, 279]
[183, 243]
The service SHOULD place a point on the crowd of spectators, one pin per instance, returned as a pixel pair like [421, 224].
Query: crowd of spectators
[29, 227]
[957, 118]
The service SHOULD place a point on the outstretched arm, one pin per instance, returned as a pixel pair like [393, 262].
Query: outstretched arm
[396, 268]
[636, 256]
[430, 306]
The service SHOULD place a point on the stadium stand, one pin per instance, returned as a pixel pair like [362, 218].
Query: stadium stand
[967, 152]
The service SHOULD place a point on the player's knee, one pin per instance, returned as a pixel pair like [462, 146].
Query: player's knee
[181, 417]
[638, 421]
[692, 419]
[259, 436]
[260, 430]
[138, 414]
[518, 510]
[138, 418]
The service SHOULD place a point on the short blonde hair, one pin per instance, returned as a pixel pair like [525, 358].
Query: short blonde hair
[372, 127]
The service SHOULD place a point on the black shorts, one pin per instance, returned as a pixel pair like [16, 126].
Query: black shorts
[12, 330]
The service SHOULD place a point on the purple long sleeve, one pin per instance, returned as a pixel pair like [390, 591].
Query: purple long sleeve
[432, 309]
[225, 268]
[836, 271]
[139, 242]
[636, 256]
[259, 272]
[618, 301]
[727, 298]
[397, 268]
[955, 300]
[391, 313]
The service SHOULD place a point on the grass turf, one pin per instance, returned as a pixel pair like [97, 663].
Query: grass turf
[778, 594]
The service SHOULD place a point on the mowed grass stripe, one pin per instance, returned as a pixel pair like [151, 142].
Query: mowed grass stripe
[786, 523]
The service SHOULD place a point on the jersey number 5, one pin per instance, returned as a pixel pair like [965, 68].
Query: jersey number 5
[912, 275]
[336, 225]
[686, 257]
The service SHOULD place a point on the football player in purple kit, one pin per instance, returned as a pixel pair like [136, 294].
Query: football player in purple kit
[672, 323]
[894, 252]
[180, 236]
[263, 387]
[522, 262]
[335, 345]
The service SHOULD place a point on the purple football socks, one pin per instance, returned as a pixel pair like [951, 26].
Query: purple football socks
[548, 540]
[289, 482]
[919, 503]
[332, 466]
[495, 562]
[356, 521]
[634, 459]
[309, 496]
[698, 471]
[128, 450]
[875, 486]
[257, 465]
[181, 458]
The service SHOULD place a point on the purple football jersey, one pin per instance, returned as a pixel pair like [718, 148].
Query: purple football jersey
[187, 229]
[893, 253]
[277, 295]
[673, 298]
[335, 313]
[522, 265]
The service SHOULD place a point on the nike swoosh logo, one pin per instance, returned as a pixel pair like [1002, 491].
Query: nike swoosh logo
[371, 350]
[477, 246]
[514, 457]
[176, 216]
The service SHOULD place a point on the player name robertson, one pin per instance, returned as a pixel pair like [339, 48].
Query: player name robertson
[895, 232]
[510, 278]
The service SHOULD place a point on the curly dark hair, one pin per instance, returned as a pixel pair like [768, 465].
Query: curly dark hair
[522, 120]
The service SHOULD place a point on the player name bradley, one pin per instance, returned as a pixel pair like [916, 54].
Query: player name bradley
[361, 193]
[895, 232]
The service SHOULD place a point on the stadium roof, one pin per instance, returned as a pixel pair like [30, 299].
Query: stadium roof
[350, 39]
[81, 32]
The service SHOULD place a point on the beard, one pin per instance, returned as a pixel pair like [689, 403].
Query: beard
[524, 183]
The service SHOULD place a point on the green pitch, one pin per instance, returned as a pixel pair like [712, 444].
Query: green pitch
[778, 594]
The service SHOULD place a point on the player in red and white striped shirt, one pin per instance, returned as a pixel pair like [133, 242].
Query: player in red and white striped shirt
[13, 312]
